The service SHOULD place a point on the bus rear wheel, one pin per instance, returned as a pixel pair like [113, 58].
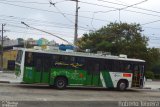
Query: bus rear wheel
[61, 83]
[122, 85]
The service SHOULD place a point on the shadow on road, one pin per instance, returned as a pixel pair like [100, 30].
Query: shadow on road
[46, 87]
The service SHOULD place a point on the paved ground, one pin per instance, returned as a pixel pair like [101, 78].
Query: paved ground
[19, 92]
[153, 85]
[7, 77]
[22, 92]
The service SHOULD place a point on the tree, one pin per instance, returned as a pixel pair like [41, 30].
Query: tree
[116, 38]
[20, 41]
[120, 38]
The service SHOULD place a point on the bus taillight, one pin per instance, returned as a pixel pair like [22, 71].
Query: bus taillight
[127, 75]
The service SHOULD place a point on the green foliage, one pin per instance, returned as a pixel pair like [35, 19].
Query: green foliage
[157, 76]
[121, 38]
[0, 47]
[116, 38]
[149, 75]
[156, 69]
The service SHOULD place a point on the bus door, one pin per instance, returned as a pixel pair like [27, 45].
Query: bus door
[93, 73]
[141, 75]
[138, 75]
[42, 67]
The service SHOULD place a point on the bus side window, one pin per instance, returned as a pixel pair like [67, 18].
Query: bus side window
[121, 66]
[72, 59]
[108, 65]
[127, 67]
[19, 56]
[38, 64]
[81, 62]
[96, 68]
[116, 66]
[47, 62]
[56, 61]
[29, 59]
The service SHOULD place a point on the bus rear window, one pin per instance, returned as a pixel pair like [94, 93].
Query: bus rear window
[19, 56]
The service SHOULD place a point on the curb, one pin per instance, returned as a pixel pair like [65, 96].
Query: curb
[4, 82]
[147, 88]
[151, 88]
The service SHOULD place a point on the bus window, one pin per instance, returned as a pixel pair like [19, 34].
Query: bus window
[38, 65]
[29, 59]
[19, 56]
[72, 59]
[120, 66]
[127, 67]
[47, 62]
[55, 58]
[117, 66]
[93, 66]
[108, 65]
[135, 68]
[96, 68]
[81, 62]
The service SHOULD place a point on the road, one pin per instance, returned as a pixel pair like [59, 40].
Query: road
[92, 97]
[17, 92]
[95, 96]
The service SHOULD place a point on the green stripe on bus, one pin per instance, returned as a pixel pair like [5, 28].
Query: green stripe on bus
[107, 79]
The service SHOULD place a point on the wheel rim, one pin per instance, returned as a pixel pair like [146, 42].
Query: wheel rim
[60, 83]
[122, 86]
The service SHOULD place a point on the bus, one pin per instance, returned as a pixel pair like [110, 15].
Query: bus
[61, 69]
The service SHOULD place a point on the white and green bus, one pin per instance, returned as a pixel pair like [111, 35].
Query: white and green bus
[61, 69]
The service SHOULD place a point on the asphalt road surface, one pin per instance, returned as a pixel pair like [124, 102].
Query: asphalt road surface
[89, 96]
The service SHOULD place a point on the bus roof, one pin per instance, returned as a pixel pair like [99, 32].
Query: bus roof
[80, 54]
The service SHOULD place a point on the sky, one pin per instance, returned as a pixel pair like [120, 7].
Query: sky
[59, 19]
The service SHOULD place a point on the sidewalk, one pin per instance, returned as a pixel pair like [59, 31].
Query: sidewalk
[7, 77]
[152, 85]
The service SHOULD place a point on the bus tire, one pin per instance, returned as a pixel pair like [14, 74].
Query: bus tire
[60, 82]
[122, 85]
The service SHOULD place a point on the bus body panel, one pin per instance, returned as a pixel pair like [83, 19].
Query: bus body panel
[79, 71]
[75, 77]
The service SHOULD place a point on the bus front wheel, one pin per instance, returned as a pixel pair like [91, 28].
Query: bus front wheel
[122, 85]
[61, 83]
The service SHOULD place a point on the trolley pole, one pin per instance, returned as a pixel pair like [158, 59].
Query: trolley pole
[76, 23]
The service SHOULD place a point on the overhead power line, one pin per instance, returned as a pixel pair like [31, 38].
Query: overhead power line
[34, 33]
[17, 1]
[127, 6]
[151, 28]
[83, 16]
[150, 22]
[126, 10]
[34, 20]
[47, 33]
[49, 26]
[132, 6]
[38, 21]
[54, 4]
[44, 10]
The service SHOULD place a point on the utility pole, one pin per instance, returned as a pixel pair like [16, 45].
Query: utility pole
[76, 23]
[2, 47]
[76, 20]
